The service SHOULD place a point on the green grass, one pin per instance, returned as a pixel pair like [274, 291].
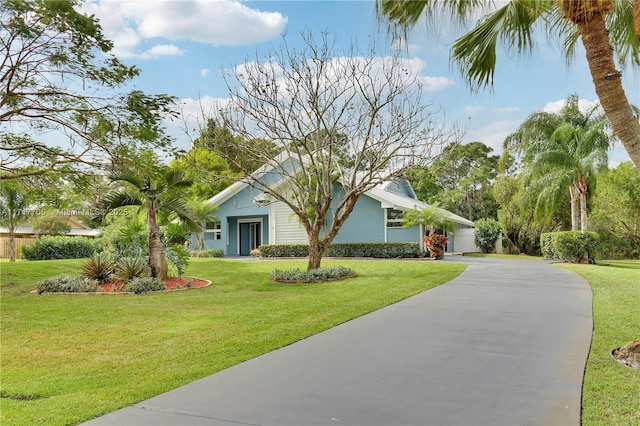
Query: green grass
[611, 392]
[66, 359]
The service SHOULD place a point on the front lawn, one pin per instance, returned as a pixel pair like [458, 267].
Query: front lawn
[611, 392]
[68, 358]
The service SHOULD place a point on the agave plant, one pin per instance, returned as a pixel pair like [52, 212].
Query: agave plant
[99, 267]
[131, 267]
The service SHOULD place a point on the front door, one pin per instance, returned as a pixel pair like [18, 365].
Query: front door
[250, 237]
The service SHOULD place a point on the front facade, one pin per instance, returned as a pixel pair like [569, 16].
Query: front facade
[249, 218]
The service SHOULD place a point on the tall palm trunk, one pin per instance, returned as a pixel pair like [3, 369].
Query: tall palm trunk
[589, 17]
[575, 202]
[582, 188]
[157, 260]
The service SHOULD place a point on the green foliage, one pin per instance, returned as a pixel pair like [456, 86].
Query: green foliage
[207, 253]
[460, 180]
[128, 268]
[376, 250]
[571, 246]
[66, 284]
[50, 224]
[144, 284]
[430, 218]
[178, 255]
[313, 275]
[616, 212]
[47, 248]
[99, 267]
[436, 243]
[209, 172]
[486, 234]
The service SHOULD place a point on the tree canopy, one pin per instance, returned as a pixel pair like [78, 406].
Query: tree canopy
[353, 120]
[62, 106]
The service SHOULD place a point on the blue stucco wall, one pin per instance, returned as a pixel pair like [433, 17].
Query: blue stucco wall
[238, 206]
[365, 223]
[403, 235]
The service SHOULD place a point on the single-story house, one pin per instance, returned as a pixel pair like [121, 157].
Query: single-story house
[24, 234]
[249, 218]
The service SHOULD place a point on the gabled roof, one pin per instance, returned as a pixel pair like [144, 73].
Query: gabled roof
[387, 199]
[391, 200]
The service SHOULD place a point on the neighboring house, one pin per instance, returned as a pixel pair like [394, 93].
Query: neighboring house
[249, 218]
[24, 234]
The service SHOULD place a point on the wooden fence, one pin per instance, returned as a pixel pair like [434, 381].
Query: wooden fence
[4, 246]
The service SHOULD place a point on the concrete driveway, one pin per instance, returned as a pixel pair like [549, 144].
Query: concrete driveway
[505, 343]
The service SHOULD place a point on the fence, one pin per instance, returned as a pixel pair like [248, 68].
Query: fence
[4, 245]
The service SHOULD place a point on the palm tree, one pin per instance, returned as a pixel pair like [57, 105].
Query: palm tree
[202, 213]
[602, 25]
[562, 150]
[14, 208]
[155, 192]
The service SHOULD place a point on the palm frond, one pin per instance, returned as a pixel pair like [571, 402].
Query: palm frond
[512, 25]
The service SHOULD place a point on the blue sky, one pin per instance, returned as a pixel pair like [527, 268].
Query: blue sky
[182, 47]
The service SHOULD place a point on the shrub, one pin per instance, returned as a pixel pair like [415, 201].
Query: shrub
[376, 250]
[66, 284]
[546, 245]
[572, 246]
[486, 234]
[319, 274]
[128, 268]
[99, 267]
[144, 284]
[48, 248]
[207, 253]
[179, 256]
[436, 243]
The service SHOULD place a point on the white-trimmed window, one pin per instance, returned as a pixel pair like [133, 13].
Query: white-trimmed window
[394, 218]
[213, 231]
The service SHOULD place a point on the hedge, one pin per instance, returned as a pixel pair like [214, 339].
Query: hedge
[48, 248]
[571, 246]
[377, 250]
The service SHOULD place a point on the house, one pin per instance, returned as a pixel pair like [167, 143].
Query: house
[24, 234]
[249, 218]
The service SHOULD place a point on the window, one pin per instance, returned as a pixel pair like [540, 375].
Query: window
[212, 231]
[394, 218]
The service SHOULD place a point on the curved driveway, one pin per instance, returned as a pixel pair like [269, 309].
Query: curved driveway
[505, 343]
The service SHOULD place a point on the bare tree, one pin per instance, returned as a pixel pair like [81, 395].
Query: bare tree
[60, 109]
[341, 125]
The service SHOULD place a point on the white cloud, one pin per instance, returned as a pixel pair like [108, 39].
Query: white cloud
[161, 50]
[493, 134]
[219, 23]
[583, 104]
[473, 109]
[204, 72]
[214, 22]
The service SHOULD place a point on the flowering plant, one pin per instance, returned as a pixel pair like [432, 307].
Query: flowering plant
[436, 244]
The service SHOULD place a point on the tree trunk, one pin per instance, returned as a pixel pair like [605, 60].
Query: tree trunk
[583, 211]
[317, 249]
[12, 242]
[573, 191]
[606, 78]
[200, 238]
[157, 260]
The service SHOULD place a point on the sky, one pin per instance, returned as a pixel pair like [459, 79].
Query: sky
[183, 47]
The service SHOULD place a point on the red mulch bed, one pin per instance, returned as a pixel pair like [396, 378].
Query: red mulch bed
[172, 283]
